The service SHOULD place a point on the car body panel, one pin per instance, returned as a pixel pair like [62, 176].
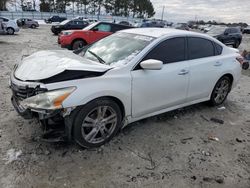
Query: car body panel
[10, 24]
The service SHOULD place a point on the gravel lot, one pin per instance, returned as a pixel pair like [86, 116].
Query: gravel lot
[169, 150]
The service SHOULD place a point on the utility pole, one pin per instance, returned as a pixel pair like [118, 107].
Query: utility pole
[162, 12]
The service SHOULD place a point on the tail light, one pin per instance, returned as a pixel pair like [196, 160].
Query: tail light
[244, 64]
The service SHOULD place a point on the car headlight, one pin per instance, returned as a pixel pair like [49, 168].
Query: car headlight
[67, 33]
[50, 100]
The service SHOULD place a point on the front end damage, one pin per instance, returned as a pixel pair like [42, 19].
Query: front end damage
[54, 121]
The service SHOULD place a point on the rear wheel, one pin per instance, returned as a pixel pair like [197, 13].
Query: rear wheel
[220, 91]
[10, 31]
[78, 44]
[97, 123]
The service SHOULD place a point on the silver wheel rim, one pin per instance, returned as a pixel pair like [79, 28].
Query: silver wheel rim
[99, 124]
[221, 91]
[9, 31]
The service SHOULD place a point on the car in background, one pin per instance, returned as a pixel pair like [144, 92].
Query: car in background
[74, 39]
[125, 77]
[10, 25]
[55, 19]
[27, 22]
[227, 35]
[124, 23]
[69, 24]
[182, 26]
[152, 23]
[246, 30]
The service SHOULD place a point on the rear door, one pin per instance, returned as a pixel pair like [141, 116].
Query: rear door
[100, 31]
[205, 67]
[155, 90]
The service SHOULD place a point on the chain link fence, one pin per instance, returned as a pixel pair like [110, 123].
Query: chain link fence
[45, 15]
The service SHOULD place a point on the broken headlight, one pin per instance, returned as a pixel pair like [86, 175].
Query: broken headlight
[50, 100]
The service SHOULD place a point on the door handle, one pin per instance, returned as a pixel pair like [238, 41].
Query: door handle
[183, 72]
[217, 64]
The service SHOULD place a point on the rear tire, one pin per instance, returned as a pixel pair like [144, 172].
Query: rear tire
[220, 91]
[97, 122]
[33, 26]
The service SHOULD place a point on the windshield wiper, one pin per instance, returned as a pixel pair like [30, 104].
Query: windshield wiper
[99, 58]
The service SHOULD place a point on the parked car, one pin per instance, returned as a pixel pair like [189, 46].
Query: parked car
[74, 39]
[149, 23]
[55, 19]
[27, 22]
[182, 26]
[67, 25]
[11, 25]
[124, 23]
[106, 85]
[246, 30]
[227, 35]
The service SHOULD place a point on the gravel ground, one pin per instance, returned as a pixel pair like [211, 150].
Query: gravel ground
[169, 150]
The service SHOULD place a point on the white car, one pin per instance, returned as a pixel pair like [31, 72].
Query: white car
[10, 25]
[128, 76]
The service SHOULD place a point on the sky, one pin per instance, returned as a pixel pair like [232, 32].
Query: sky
[219, 10]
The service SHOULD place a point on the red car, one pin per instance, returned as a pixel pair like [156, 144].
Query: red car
[74, 39]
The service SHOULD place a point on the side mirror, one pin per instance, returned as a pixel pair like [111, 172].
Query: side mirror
[151, 64]
[95, 29]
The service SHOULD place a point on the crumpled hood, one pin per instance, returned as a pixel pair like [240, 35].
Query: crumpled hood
[45, 64]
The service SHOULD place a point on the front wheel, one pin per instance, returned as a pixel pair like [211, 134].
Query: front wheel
[78, 44]
[97, 123]
[236, 44]
[10, 31]
[220, 91]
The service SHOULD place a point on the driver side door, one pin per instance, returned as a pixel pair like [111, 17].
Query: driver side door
[155, 90]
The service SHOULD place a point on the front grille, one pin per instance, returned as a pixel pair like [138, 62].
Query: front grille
[22, 92]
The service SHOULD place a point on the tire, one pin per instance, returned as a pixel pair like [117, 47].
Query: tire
[10, 31]
[78, 44]
[33, 26]
[220, 91]
[236, 44]
[90, 129]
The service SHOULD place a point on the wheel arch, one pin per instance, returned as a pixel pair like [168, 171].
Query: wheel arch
[69, 120]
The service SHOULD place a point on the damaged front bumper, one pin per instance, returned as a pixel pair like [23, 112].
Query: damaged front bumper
[22, 90]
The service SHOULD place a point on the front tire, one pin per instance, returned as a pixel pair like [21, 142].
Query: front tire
[78, 44]
[10, 31]
[220, 91]
[97, 123]
[236, 44]
[33, 26]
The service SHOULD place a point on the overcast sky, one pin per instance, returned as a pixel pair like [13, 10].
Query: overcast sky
[220, 10]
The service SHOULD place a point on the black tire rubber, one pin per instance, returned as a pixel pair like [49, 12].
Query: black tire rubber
[33, 26]
[212, 101]
[236, 44]
[77, 41]
[10, 31]
[83, 112]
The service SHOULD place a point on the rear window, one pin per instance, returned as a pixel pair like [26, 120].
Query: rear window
[199, 48]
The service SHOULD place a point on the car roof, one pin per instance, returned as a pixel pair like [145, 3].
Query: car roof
[159, 32]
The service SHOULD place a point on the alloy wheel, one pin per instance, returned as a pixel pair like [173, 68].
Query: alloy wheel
[221, 91]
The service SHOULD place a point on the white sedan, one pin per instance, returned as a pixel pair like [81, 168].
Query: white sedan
[128, 76]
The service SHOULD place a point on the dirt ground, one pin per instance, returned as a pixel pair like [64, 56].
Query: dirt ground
[169, 150]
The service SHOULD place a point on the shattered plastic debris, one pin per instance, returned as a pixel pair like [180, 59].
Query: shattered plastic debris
[12, 155]
[221, 108]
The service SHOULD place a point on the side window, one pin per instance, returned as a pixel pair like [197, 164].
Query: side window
[199, 48]
[78, 22]
[169, 51]
[4, 19]
[218, 49]
[103, 27]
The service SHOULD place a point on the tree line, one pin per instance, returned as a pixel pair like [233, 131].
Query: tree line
[134, 8]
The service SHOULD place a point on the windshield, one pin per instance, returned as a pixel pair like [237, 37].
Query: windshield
[118, 48]
[64, 22]
[216, 31]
